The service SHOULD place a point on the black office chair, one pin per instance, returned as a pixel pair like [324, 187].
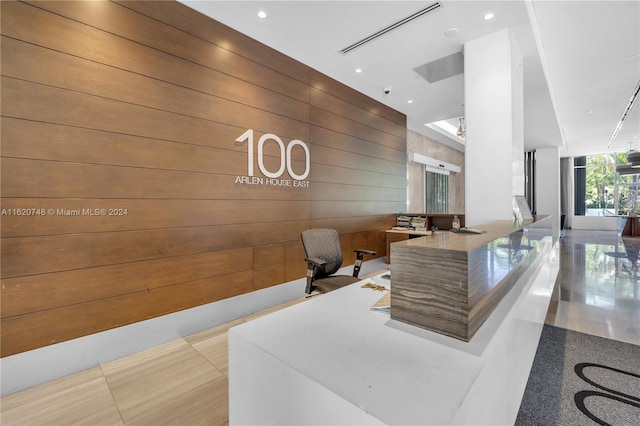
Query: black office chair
[324, 258]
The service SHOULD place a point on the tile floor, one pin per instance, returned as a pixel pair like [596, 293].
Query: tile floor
[185, 382]
[597, 291]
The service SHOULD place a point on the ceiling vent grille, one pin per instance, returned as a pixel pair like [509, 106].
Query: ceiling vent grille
[392, 27]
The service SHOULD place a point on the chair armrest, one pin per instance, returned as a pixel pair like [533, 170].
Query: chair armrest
[315, 261]
[359, 256]
[313, 264]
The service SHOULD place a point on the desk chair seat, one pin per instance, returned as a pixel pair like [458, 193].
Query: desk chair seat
[324, 258]
[328, 284]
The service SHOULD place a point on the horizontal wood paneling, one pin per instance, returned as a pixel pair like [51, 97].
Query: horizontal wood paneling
[328, 102]
[34, 293]
[294, 255]
[338, 209]
[340, 141]
[30, 178]
[329, 120]
[137, 106]
[71, 216]
[343, 192]
[33, 101]
[395, 119]
[45, 141]
[334, 157]
[268, 255]
[57, 325]
[333, 174]
[193, 98]
[268, 276]
[37, 255]
[86, 41]
[71, 144]
[219, 34]
[353, 224]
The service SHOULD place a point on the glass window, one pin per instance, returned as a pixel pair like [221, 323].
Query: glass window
[599, 190]
[437, 193]
[628, 187]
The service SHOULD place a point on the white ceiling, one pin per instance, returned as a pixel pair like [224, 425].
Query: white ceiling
[589, 60]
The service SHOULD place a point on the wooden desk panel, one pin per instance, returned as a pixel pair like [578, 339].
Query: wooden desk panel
[631, 227]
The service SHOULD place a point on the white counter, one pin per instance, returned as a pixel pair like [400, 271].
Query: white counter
[331, 360]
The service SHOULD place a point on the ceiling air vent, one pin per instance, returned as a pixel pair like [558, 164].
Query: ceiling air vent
[441, 68]
[391, 27]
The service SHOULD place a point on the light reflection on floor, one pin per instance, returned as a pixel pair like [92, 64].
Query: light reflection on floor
[598, 291]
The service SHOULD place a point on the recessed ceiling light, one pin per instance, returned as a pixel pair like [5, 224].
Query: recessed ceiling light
[262, 14]
[358, 70]
[488, 16]
[451, 32]
[410, 101]
[590, 112]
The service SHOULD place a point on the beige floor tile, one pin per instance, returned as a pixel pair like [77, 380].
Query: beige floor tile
[207, 404]
[215, 350]
[169, 384]
[213, 344]
[41, 391]
[79, 399]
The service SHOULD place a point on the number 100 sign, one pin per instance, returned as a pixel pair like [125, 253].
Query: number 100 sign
[285, 155]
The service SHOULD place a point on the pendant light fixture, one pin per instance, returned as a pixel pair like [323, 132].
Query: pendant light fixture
[461, 130]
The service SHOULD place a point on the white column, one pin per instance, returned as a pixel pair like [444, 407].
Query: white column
[517, 119]
[548, 186]
[494, 133]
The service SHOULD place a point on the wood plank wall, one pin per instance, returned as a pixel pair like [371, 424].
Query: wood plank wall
[136, 106]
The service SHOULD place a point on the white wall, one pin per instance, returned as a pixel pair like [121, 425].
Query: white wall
[493, 113]
[597, 223]
[548, 186]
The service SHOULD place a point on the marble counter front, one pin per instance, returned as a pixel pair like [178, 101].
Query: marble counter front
[451, 282]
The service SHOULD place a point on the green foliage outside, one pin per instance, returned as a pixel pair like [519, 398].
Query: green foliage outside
[601, 183]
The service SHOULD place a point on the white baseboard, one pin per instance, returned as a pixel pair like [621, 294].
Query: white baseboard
[600, 223]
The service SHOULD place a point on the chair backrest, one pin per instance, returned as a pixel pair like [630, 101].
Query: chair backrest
[323, 244]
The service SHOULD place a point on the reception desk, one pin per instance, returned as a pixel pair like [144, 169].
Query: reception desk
[333, 360]
[450, 283]
[439, 220]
